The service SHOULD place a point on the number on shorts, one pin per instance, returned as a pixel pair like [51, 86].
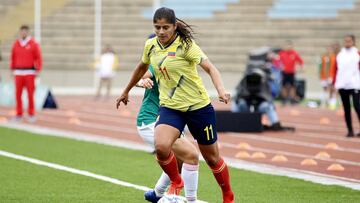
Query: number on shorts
[208, 130]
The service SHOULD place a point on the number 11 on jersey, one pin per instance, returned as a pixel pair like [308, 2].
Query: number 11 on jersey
[164, 72]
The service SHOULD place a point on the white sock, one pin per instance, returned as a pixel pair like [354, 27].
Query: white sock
[190, 175]
[162, 185]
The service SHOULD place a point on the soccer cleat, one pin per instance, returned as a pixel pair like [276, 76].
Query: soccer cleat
[175, 189]
[151, 196]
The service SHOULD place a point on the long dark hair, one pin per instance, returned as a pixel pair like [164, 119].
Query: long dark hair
[184, 30]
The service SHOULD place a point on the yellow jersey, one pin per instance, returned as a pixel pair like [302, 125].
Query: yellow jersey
[180, 85]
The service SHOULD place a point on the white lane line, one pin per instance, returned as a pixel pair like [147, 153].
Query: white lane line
[225, 144]
[116, 118]
[79, 136]
[61, 114]
[76, 171]
[327, 137]
[243, 135]
[72, 170]
[310, 176]
[93, 125]
[304, 156]
[125, 121]
[257, 137]
[258, 168]
[313, 127]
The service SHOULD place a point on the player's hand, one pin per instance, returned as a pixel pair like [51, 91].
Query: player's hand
[147, 83]
[224, 97]
[124, 98]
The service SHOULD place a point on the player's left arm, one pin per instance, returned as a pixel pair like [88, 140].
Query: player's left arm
[214, 73]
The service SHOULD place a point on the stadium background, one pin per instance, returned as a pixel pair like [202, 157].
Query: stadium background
[226, 30]
[316, 153]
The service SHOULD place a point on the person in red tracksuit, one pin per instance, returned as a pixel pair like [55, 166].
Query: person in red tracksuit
[289, 58]
[26, 63]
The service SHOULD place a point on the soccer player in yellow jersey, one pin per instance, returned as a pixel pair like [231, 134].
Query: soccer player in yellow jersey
[183, 99]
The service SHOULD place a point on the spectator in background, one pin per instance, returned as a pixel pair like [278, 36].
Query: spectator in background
[26, 63]
[276, 67]
[326, 75]
[105, 67]
[347, 80]
[337, 47]
[289, 58]
[253, 95]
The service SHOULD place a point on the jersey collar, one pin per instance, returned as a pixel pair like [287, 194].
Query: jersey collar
[165, 47]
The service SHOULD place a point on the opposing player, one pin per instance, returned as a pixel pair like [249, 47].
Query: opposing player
[184, 150]
[183, 99]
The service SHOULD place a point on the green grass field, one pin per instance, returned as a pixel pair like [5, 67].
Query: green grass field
[21, 181]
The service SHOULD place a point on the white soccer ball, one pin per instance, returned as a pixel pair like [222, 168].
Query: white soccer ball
[171, 199]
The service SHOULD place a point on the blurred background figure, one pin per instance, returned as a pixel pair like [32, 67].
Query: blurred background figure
[26, 63]
[326, 75]
[276, 68]
[105, 69]
[290, 59]
[253, 94]
[347, 80]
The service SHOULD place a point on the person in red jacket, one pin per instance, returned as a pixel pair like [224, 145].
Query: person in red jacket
[26, 63]
[289, 58]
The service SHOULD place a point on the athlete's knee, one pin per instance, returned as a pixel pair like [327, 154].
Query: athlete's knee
[192, 158]
[162, 150]
[211, 159]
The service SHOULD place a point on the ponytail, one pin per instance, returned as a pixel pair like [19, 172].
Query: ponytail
[185, 32]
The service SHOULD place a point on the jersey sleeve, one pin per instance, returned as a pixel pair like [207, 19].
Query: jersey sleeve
[194, 54]
[146, 53]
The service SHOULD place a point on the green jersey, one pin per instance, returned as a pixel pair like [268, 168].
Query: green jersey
[150, 103]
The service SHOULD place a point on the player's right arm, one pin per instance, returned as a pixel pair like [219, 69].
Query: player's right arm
[145, 81]
[139, 71]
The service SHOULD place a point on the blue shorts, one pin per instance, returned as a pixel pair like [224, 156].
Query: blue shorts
[201, 122]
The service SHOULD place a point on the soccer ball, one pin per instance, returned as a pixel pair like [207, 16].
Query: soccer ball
[171, 199]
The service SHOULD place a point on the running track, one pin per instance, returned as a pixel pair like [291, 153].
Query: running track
[317, 130]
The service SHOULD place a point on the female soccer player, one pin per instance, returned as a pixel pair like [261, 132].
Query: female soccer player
[183, 99]
[184, 150]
